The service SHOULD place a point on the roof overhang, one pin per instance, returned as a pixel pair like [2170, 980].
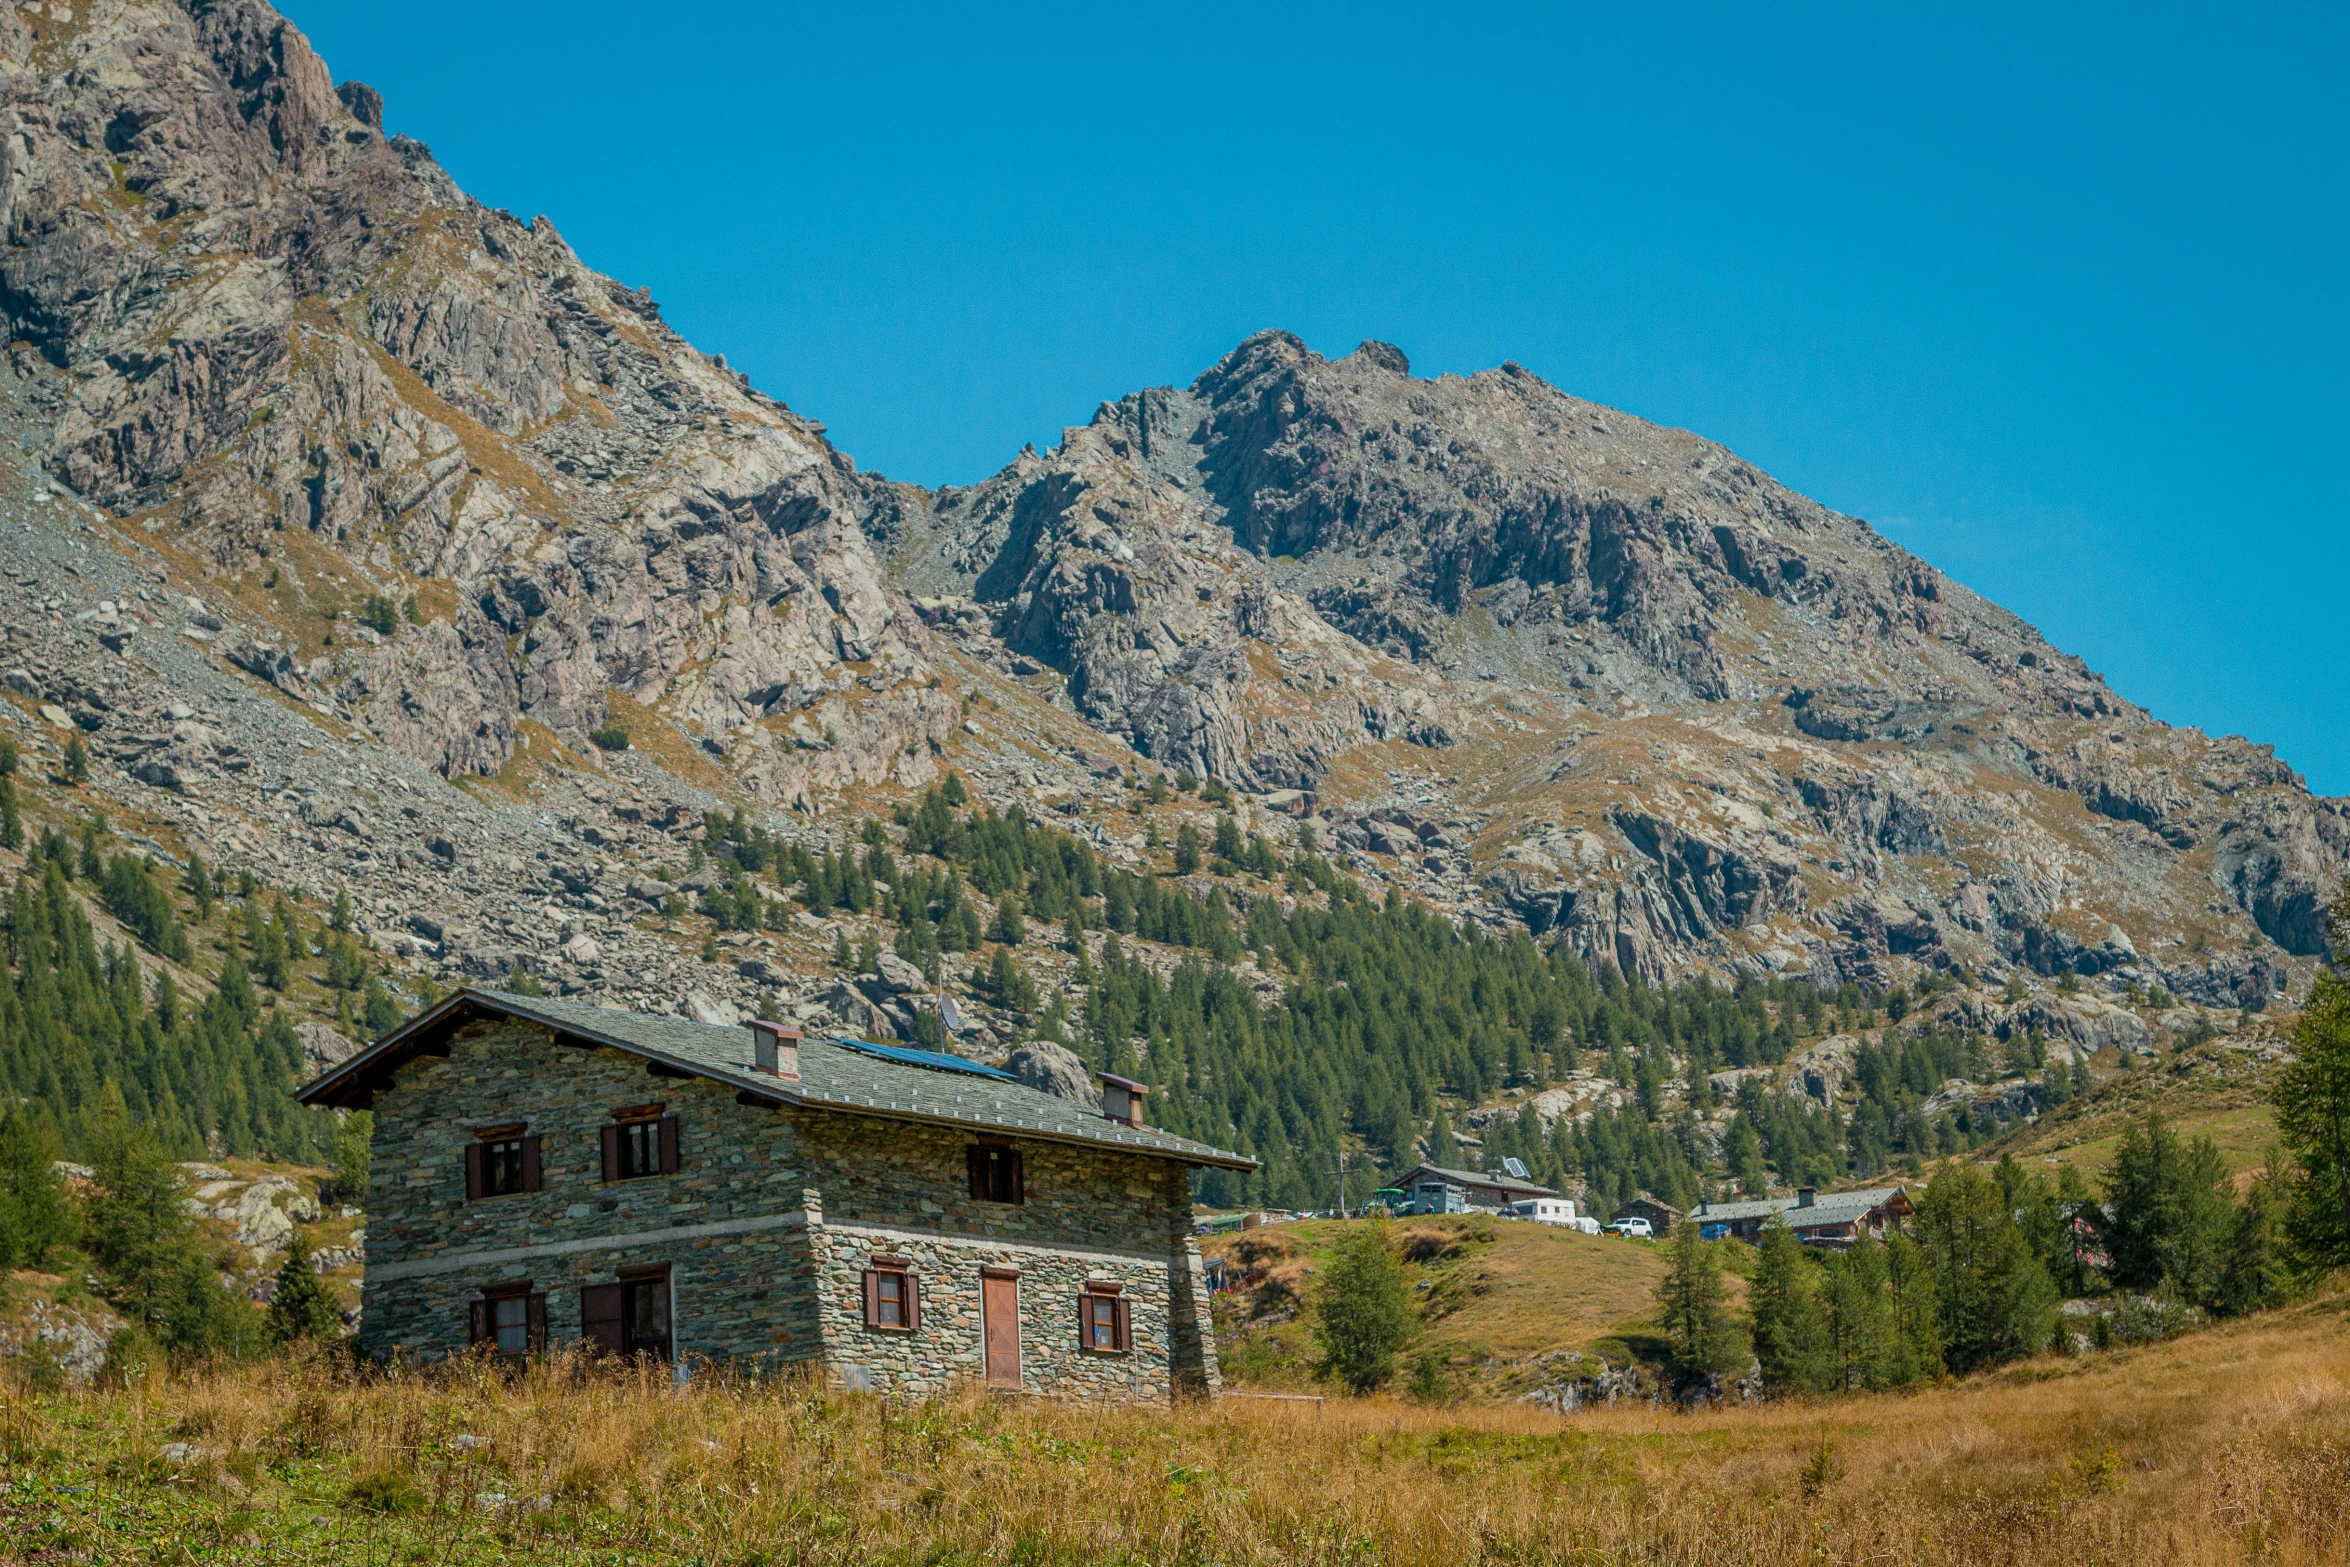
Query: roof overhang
[354, 1084]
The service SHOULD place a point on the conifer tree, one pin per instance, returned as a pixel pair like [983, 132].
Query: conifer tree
[1783, 1318]
[303, 1306]
[2171, 1211]
[1694, 1309]
[2313, 1116]
[36, 1215]
[1993, 1299]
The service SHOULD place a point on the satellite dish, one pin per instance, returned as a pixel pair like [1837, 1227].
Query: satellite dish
[1515, 1167]
[950, 1014]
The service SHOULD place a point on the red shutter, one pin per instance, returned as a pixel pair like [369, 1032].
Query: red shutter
[481, 1320]
[872, 1298]
[473, 1172]
[612, 1153]
[1118, 1328]
[535, 1318]
[530, 1163]
[913, 1304]
[600, 1318]
[669, 1145]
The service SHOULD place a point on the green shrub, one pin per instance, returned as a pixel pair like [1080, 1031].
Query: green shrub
[609, 736]
[389, 1491]
[381, 614]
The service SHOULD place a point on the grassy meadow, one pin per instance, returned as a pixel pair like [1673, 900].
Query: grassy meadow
[2229, 1445]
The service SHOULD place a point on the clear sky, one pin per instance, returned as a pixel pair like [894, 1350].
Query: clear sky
[2053, 296]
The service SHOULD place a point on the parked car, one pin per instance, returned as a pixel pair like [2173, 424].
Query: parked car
[1631, 1228]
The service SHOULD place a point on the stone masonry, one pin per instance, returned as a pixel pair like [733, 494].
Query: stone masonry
[767, 1227]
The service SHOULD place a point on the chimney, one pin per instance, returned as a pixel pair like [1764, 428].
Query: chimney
[775, 1049]
[1122, 1099]
[1805, 1196]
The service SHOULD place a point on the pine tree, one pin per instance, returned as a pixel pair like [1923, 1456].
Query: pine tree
[1694, 1309]
[303, 1306]
[2171, 1210]
[1858, 1317]
[2313, 1117]
[1783, 1319]
[1186, 849]
[36, 1215]
[1993, 1299]
[2252, 1267]
[1362, 1310]
[1008, 927]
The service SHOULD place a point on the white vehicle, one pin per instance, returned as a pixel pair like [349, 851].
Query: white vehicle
[1630, 1228]
[1544, 1210]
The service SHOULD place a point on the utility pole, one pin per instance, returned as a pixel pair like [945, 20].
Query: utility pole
[1342, 1213]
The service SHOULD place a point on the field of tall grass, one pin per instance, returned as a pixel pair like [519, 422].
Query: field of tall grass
[2231, 1445]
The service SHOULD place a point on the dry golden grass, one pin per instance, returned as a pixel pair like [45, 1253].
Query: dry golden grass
[2229, 1446]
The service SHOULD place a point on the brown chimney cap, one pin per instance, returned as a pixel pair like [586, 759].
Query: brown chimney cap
[779, 1030]
[1127, 1083]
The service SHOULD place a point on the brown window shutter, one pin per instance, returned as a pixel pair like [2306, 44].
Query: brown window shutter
[1118, 1330]
[669, 1145]
[913, 1304]
[611, 1153]
[535, 1318]
[481, 1320]
[1085, 1319]
[975, 1159]
[872, 1298]
[474, 1180]
[600, 1317]
[530, 1163]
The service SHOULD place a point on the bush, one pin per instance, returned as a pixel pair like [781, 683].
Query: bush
[1362, 1312]
[609, 736]
[388, 1491]
[381, 614]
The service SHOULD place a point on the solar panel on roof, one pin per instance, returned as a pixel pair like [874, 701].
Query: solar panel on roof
[929, 1058]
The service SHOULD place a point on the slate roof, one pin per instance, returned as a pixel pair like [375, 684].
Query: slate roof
[1826, 1208]
[843, 1075]
[1509, 1186]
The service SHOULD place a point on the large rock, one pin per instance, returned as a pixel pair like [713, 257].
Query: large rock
[1056, 1070]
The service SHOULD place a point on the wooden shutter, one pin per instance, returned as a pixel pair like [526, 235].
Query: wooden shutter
[669, 1145]
[474, 1178]
[612, 1152]
[530, 1163]
[1118, 1336]
[535, 1319]
[481, 1320]
[600, 1324]
[873, 1297]
[1085, 1319]
[975, 1157]
[913, 1304]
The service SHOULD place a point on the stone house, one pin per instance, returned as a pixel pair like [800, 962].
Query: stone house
[549, 1172]
[1830, 1219]
[1487, 1191]
[1661, 1215]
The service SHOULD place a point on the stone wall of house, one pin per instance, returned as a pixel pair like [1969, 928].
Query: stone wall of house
[767, 1227]
[901, 1190]
[729, 1223]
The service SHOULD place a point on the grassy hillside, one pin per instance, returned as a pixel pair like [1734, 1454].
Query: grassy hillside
[2220, 1448]
[2220, 1089]
[1502, 1304]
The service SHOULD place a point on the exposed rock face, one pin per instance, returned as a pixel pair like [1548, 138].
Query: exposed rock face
[293, 346]
[1690, 713]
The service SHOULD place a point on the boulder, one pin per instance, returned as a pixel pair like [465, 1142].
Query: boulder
[1055, 1069]
[899, 976]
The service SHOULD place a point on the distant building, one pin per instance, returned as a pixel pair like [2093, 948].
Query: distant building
[1831, 1219]
[1661, 1216]
[1435, 1189]
[1554, 1210]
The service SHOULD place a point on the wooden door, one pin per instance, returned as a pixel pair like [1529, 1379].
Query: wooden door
[999, 1314]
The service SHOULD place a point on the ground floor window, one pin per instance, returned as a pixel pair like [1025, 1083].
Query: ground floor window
[893, 1296]
[510, 1320]
[1101, 1318]
[631, 1316]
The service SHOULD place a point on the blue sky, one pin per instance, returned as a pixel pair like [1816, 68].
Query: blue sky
[2055, 300]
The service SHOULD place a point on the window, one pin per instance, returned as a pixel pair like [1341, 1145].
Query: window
[510, 1320]
[893, 1296]
[995, 1173]
[630, 1317]
[640, 1141]
[1101, 1319]
[500, 1161]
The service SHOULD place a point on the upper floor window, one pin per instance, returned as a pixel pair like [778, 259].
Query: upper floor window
[501, 1160]
[640, 1141]
[995, 1173]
